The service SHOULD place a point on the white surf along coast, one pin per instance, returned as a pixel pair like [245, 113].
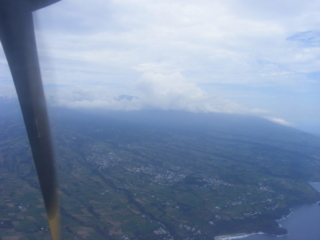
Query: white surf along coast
[302, 221]
[235, 236]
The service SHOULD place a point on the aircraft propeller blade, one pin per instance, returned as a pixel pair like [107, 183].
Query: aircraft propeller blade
[18, 41]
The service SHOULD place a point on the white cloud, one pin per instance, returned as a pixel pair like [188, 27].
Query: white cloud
[152, 91]
[173, 91]
[280, 121]
[219, 41]
[94, 97]
[7, 90]
[225, 56]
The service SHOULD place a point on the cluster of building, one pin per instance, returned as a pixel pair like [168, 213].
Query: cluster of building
[214, 183]
[158, 175]
[103, 160]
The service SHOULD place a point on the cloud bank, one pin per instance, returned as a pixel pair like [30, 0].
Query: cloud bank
[155, 91]
[256, 57]
[152, 91]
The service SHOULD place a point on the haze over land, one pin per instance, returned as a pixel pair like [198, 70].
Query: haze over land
[155, 174]
[170, 119]
[252, 57]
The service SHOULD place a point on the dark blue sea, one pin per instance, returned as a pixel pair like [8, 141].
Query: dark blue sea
[303, 223]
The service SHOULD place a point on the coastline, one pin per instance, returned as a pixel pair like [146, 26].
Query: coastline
[235, 236]
[285, 216]
[244, 235]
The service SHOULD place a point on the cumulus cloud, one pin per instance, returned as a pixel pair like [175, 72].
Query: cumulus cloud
[93, 97]
[152, 91]
[173, 91]
[225, 56]
[155, 91]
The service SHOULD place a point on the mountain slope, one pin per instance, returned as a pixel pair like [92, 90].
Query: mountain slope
[158, 174]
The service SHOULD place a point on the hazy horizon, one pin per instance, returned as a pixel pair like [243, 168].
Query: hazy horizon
[248, 57]
[55, 111]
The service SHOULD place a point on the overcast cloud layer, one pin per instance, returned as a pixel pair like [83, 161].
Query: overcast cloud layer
[249, 56]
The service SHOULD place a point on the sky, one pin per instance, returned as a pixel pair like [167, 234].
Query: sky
[246, 57]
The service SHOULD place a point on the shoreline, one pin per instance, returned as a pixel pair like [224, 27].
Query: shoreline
[235, 236]
[285, 216]
[244, 235]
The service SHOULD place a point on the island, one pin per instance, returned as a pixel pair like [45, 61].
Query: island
[154, 176]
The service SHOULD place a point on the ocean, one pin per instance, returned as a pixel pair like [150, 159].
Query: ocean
[303, 223]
